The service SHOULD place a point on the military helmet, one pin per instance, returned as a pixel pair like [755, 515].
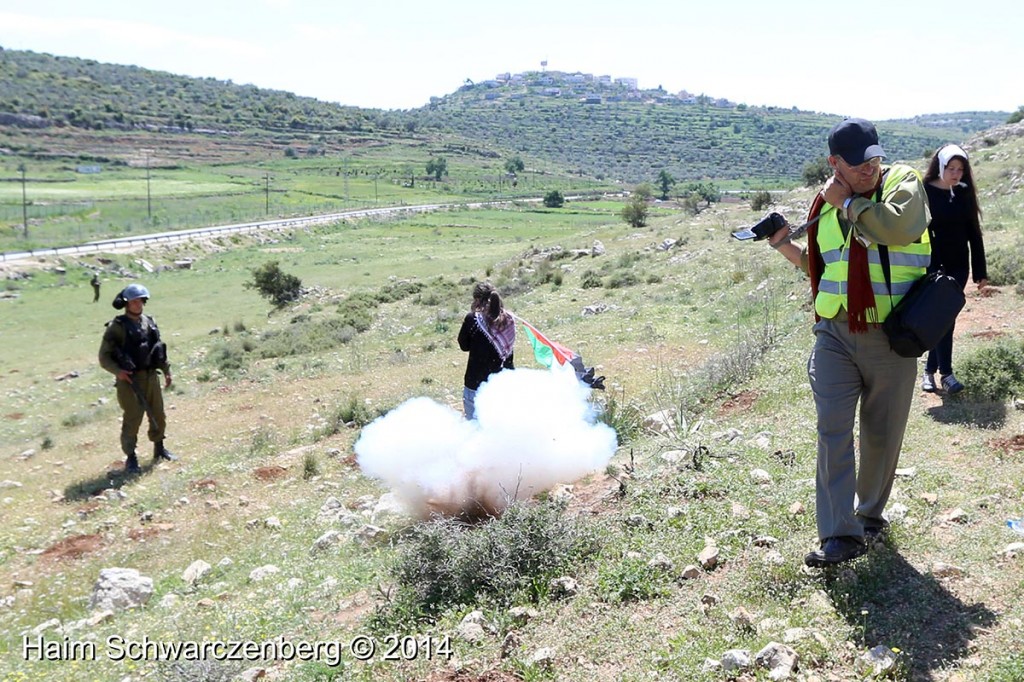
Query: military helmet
[134, 291]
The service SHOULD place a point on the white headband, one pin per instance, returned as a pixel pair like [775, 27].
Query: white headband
[947, 153]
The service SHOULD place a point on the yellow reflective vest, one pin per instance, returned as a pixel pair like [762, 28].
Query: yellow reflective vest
[907, 263]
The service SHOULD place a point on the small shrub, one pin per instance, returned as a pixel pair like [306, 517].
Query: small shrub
[994, 372]
[358, 311]
[310, 466]
[761, 200]
[622, 279]
[630, 580]
[503, 561]
[591, 280]
[626, 418]
[1006, 264]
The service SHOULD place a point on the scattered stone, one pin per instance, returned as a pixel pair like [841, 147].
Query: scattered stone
[796, 509]
[876, 661]
[793, 635]
[509, 644]
[661, 562]
[100, 617]
[563, 588]
[708, 599]
[52, 624]
[908, 472]
[764, 541]
[6, 485]
[1013, 550]
[388, 508]
[473, 627]
[329, 538]
[263, 572]
[273, 523]
[943, 570]
[169, 601]
[691, 572]
[368, 535]
[957, 515]
[674, 512]
[543, 658]
[710, 665]
[251, 675]
[779, 659]
[521, 615]
[195, 571]
[660, 422]
[708, 557]
[774, 558]
[742, 618]
[31, 452]
[735, 660]
[930, 498]
[897, 511]
[760, 477]
[120, 588]
[739, 511]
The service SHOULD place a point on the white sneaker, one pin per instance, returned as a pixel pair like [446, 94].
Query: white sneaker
[928, 383]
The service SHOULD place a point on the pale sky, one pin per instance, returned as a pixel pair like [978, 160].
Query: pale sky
[876, 59]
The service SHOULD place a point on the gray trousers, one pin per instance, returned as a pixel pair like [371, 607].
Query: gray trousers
[845, 369]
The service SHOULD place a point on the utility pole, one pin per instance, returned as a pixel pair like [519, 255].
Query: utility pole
[24, 202]
[375, 199]
[149, 200]
[266, 184]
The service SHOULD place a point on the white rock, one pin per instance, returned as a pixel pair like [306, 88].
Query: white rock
[735, 659]
[760, 477]
[120, 588]
[263, 572]
[195, 571]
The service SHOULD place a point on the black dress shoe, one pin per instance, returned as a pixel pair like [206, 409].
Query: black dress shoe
[835, 551]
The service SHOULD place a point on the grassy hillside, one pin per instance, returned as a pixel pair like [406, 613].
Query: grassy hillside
[267, 404]
[632, 136]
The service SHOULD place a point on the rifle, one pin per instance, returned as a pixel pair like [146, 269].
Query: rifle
[127, 364]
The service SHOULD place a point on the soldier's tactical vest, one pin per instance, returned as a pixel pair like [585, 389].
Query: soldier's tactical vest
[907, 263]
[139, 339]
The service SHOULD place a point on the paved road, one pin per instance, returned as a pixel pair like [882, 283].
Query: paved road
[108, 245]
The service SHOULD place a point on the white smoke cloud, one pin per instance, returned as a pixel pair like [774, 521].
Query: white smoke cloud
[533, 430]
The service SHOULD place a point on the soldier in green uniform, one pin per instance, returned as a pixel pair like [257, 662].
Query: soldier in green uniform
[133, 352]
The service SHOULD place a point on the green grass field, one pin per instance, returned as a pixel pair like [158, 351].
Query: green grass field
[712, 330]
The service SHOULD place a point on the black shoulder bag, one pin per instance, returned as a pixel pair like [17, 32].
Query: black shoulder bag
[925, 314]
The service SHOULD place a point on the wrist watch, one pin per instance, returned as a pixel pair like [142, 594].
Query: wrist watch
[846, 206]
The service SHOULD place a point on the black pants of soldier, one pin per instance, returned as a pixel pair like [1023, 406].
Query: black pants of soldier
[149, 383]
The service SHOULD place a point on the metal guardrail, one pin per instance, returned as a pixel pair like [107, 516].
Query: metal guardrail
[217, 230]
[279, 224]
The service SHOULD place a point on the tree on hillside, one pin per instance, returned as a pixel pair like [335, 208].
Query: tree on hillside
[705, 190]
[514, 165]
[635, 211]
[1017, 116]
[554, 199]
[437, 167]
[817, 172]
[274, 284]
[665, 182]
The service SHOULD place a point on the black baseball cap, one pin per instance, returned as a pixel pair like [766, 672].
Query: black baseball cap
[856, 140]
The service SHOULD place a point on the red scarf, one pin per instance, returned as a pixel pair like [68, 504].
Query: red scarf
[860, 298]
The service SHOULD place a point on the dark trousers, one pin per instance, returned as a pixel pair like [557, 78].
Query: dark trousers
[941, 357]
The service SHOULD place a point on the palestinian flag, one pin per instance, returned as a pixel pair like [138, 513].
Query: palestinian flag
[545, 351]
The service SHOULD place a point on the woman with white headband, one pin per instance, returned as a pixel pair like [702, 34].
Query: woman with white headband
[957, 246]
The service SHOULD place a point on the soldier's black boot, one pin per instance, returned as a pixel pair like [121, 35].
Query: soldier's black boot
[131, 465]
[160, 453]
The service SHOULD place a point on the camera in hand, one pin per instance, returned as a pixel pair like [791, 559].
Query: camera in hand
[767, 226]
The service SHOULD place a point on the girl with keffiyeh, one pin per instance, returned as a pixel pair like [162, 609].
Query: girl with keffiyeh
[488, 334]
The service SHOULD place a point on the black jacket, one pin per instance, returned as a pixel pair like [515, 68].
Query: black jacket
[483, 358]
